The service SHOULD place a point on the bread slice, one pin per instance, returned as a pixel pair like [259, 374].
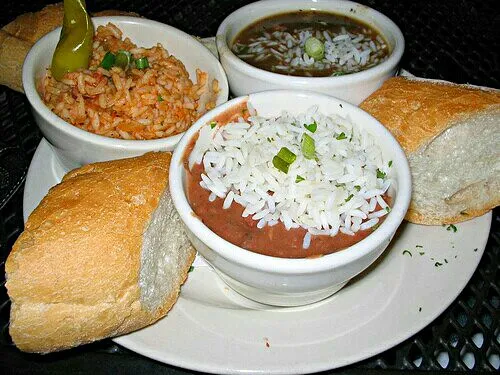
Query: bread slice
[451, 136]
[104, 254]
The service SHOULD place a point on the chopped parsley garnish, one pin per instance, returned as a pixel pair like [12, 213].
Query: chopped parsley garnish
[160, 99]
[270, 139]
[357, 187]
[437, 264]
[451, 227]
[475, 249]
[337, 74]
[341, 136]
[407, 252]
[213, 124]
[380, 174]
[299, 178]
[419, 309]
[349, 197]
[420, 246]
[421, 252]
[388, 209]
[191, 269]
[390, 163]
[445, 260]
[311, 127]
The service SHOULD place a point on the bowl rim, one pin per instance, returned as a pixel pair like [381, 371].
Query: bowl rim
[271, 264]
[275, 7]
[37, 104]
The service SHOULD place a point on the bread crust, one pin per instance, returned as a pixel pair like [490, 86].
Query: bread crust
[416, 111]
[18, 36]
[73, 273]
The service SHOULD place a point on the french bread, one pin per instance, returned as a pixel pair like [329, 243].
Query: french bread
[17, 37]
[451, 136]
[103, 254]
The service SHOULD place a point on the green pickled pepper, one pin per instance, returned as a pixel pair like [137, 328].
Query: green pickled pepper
[74, 48]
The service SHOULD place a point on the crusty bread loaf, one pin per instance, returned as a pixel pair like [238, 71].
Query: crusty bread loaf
[17, 37]
[451, 135]
[103, 254]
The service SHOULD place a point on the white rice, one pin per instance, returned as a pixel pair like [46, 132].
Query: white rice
[341, 189]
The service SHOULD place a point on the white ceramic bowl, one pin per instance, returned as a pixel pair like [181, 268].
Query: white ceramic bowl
[354, 88]
[76, 147]
[290, 282]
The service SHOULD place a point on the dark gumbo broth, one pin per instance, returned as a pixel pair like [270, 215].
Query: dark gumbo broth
[284, 44]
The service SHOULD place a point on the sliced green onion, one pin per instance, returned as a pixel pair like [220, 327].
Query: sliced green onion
[341, 136]
[286, 155]
[308, 147]
[280, 164]
[299, 178]
[390, 163]
[311, 127]
[315, 48]
[122, 59]
[349, 197]
[160, 99]
[380, 174]
[108, 60]
[142, 63]
[357, 187]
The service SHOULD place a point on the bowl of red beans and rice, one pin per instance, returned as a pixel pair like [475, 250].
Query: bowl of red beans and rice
[289, 194]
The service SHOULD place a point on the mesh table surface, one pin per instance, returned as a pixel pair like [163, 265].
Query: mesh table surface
[455, 40]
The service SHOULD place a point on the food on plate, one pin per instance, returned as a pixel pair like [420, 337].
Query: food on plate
[129, 92]
[74, 48]
[451, 135]
[103, 254]
[290, 186]
[17, 37]
[310, 43]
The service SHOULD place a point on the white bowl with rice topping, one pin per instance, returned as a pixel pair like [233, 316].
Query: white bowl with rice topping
[341, 49]
[353, 180]
[117, 115]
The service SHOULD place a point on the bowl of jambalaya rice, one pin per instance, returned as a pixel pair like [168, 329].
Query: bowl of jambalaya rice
[145, 85]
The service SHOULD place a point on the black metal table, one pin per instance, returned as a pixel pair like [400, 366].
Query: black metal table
[455, 40]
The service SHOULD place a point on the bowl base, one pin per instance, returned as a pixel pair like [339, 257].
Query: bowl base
[279, 299]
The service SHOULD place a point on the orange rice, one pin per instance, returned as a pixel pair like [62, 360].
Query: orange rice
[155, 102]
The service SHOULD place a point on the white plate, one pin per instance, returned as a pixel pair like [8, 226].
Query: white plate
[212, 329]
